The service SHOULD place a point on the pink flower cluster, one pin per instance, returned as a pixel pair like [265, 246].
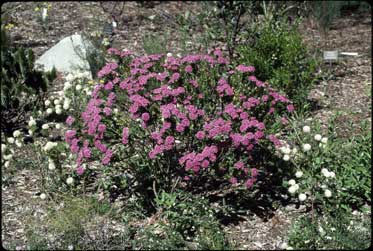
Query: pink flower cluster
[195, 161]
[224, 88]
[107, 69]
[173, 105]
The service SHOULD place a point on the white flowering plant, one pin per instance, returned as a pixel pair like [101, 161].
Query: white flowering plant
[314, 181]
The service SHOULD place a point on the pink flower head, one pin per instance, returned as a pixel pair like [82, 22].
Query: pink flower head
[233, 180]
[200, 135]
[101, 128]
[290, 108]
[239, 165]
[107, 157]
[70, 120]
[80, 170]
[125, 133]
[188, 69]
[205, 163]
[254, 172]
[145, 116]
[249, 183]
[243, 68]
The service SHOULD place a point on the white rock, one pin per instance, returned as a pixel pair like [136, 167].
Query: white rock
[67, 56]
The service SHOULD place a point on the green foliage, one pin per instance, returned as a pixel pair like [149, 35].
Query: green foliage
[353, 163]
[95, 52]
[281, 58]
[69, 222]
[155, 43]
[349, 159]
[333, 232]
[185, 223]
[18, 77]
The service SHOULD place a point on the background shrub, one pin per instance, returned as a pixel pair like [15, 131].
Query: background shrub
[281, 58]
[22, 87]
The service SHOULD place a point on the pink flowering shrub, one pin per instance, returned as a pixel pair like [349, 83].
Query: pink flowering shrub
[167, 117]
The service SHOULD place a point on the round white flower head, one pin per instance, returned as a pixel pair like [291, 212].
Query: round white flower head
[6, 164]
[40, 112]
[169, 54]
[49, 110]
[45, 127]
[326, 174]
[283, 245]
[8, 157]
[51, 166]
[302, 197]
[296, 186]
[69, 180]
[299, 174]
[58, 126]
[289, 248]
[324, 140]
[56, 101]
[177, 141]
[292, 189]
[115, 110]
[16, 133]
[306, 129]
[306, 147]
[286, 157]
[89, 93]
[332, 174]
[18, 143]
[49, 146]
[327, 193]
[58, 106]
[295, 150]
[292, 182]
[31, 123]
[285, 150]
[30, 132]
[58, 111]
[43, 196]
[10, 140]
[70, 247]
[317, 137]
[78, 87]
[47, 102]
[324, 170]
[66, 106]
[3, 148]
[323, 186]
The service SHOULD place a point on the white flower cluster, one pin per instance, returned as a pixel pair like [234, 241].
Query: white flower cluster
[51, 165]
[49, 146]
[63, 102]
[294, 186]
[287, 151]
[327, 174]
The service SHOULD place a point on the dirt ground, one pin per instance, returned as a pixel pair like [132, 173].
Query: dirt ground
[349, 92]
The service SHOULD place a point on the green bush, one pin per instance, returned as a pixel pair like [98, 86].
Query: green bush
[329, 172]
[185, 222]
[280, 57]
[22, 87]
[341, 230]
